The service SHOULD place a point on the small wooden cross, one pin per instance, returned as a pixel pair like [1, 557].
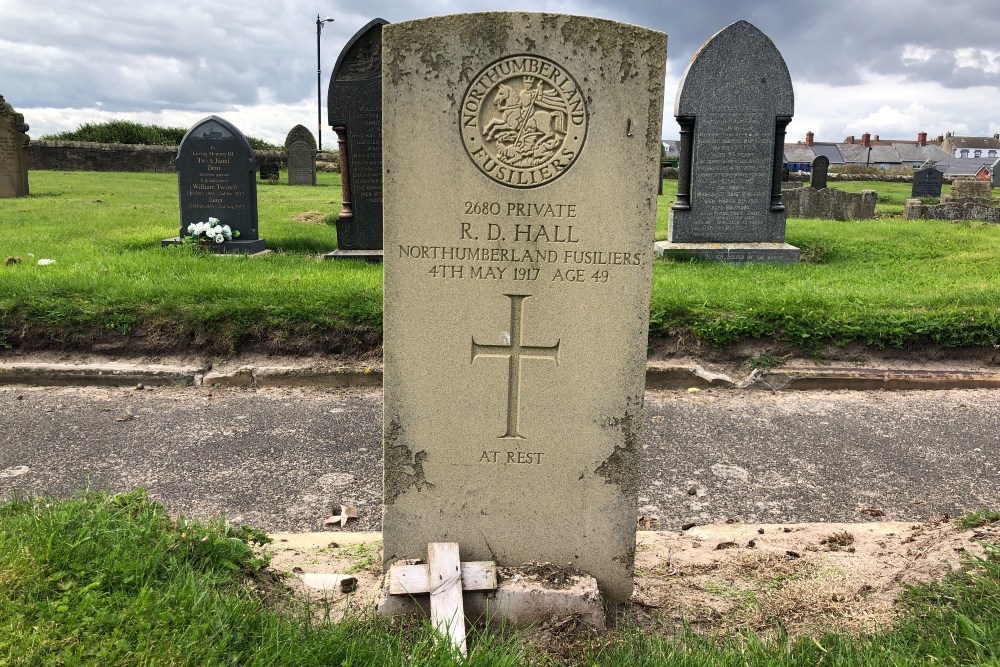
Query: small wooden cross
[444, 577]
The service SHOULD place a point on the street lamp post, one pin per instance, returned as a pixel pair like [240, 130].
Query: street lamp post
[319, 83]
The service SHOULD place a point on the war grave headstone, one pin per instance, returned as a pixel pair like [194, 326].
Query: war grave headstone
[300, 144]
[733, 104]
[354, 111]
[217, 177]
[927, 182]
[818, 174]
[516, 309]
[13, 163]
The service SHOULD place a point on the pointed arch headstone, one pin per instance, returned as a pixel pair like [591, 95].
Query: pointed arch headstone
[354, 111]
[733, 104]
[300, 145]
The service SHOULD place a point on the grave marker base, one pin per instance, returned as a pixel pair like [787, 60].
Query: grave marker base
[731, 253]
[249, 247]
[369, 255]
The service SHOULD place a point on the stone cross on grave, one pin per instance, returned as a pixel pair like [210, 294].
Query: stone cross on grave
[444, 576]
[514, 352]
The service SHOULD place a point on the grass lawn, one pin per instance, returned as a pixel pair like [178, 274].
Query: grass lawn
[113, 580]
[884, 282]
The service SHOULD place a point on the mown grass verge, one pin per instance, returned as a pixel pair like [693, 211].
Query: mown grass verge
[101, 579]
[887, 283]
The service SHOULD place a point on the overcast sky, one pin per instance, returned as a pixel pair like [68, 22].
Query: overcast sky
[892, 68]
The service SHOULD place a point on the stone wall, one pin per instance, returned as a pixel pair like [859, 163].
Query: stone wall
[86, 156]
[829, 203]
[953, 209]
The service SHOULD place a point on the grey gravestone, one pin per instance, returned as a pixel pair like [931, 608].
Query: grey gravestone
[270, 171]
[13, 164]
[820, 167]
[516, 316]
[354, 111]
[927, 182]
[733, 105]
[300, 145]
[217, 177]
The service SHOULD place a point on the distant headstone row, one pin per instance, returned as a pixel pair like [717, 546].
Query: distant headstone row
[13, 140]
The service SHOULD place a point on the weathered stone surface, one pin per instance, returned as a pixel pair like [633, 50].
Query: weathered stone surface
[516, 315]
[521, 600]
[830, 203]
[952, 209]
[13, 141]
[927, 182]
[217, 177]
[733, 105]
[820, 167]
[300, 144]
[354, 111]
[106, 374]
[966, 188]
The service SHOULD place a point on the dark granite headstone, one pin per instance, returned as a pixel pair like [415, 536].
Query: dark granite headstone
[820, 167]
[300, 145]
[217, 177]
[927, 182]
[355, 113]
[13, 140]
[733, 105]
[270, 171]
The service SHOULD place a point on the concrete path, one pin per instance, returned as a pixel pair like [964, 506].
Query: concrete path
[283, 459]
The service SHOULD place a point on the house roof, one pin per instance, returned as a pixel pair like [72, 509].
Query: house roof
[831, 151]
[910, 152]
[672, 147]
[964, 166]
[799, 153]
[858, 154]
[974, 142]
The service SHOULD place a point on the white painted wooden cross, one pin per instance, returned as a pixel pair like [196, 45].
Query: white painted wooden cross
[444, 577]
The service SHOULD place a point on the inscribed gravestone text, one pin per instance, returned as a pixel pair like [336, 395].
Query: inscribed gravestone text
[13, 163]
[516, 311]
[354, 111]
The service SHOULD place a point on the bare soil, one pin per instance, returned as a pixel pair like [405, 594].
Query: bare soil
[807, 578]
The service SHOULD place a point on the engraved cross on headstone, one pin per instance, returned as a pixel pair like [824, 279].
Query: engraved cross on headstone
[514, 352]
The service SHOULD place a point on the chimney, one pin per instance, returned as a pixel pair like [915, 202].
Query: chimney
[921, 138]
[849, 140]
[809, 138]
[875, 138]
[996, 136]
[866, 139]
[940, 138]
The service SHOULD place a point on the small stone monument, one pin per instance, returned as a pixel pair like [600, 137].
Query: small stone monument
[969, 188]
[516, 316]
[733, 105]
[13, 164]
[300, 144]
[354, 111]
[817, 176]
[269, 171]
[217, 177]
[927, 182]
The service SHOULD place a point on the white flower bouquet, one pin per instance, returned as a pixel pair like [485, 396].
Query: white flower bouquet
[210, 232]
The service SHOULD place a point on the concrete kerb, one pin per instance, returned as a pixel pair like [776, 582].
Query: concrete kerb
[659, 376]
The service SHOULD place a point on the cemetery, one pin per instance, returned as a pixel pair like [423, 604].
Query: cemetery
[502, 325]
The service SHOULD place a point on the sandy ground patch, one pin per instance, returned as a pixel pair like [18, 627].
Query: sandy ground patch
[808, 578]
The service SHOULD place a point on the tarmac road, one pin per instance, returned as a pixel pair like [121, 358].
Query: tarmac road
[285, 459]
